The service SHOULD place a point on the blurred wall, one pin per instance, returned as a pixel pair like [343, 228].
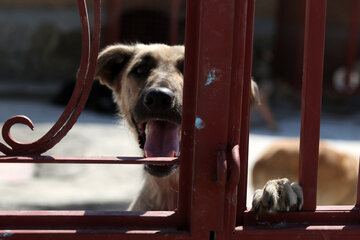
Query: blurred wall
[290, 41]
[40, 40]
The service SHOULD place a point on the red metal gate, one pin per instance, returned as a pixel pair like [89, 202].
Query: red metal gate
[212, 192]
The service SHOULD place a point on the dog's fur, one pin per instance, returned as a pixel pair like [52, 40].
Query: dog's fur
[147, 84]
[337, 178]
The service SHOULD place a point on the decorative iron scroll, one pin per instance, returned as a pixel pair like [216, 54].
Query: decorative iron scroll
[76, 104]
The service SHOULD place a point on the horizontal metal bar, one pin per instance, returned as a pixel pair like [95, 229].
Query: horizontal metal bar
[39, 225]
[89, 160]
[97, 220]
[100, 234]
[322, 215]
[306, 232]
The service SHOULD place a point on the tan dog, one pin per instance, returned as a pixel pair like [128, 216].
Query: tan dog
[337, 175]
[147, 84]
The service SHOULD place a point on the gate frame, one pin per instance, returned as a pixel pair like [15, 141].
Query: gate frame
[211, 159]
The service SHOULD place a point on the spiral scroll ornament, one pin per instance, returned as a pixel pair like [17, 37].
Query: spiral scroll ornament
[76, 104]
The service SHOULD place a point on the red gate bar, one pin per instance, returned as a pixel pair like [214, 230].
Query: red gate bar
[55, 220]
[67, 220]
[358, 190]
[238, 70]
[207, 105]
[118, 234]
[326, 222]
[299, 232]
[88, 160]
[315, 19]
[315, 223]
[245, 116]
[238, 99]
[323, 215]
[188, 115]
[215, 47]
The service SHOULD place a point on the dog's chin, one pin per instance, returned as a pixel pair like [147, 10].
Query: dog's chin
[160, 171]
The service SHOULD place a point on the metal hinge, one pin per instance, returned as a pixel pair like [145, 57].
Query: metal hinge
[228, 175]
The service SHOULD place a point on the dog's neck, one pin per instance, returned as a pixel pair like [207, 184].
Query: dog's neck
[163, 192]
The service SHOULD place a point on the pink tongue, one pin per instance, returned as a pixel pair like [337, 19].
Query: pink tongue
[162, 139]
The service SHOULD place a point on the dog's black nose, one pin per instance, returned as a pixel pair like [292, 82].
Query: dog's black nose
[158, 99]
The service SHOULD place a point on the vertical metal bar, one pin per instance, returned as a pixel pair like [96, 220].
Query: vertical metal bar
[174, 21]
[244, 137]
[237, 78]
[311, 99]
[352, 44]
[358, 189]
[212, 113]
[231, 193]
[188, 114]
[235, 114]
[236, 100]
[209, 58]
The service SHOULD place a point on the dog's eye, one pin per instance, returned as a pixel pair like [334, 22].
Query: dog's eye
[180, 66]
[140, 71]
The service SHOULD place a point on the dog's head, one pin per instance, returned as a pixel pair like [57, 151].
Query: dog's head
[147, 84]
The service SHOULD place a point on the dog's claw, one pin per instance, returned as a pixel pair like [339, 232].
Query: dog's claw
[277, 196]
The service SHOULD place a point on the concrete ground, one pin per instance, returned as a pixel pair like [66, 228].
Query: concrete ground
[112, 187]
[60, 187]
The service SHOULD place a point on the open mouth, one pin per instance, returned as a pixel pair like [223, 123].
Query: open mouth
[162, 139]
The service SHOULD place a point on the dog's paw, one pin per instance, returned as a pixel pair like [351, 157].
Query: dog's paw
[277, 196]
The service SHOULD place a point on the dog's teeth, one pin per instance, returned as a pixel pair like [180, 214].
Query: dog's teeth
[146, 154]
[142, 128]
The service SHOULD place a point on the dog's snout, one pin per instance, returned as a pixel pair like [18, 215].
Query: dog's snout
[158, 99]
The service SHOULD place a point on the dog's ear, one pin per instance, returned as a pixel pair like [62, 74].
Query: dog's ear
[111, 62]
[255, 93]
